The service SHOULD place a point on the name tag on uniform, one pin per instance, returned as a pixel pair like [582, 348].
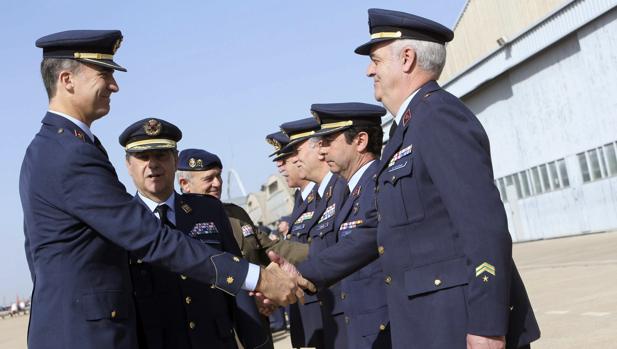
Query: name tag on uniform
[305, 216]
[205, 228]
[297, 227]
[400, 154]
[347, 227]
[247, 230]
[329, 212]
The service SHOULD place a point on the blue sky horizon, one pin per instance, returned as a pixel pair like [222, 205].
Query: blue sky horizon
[225, 73]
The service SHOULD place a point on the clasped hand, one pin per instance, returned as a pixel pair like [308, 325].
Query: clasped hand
[280, 283]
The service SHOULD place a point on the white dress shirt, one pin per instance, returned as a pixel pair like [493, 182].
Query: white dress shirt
[353, 181]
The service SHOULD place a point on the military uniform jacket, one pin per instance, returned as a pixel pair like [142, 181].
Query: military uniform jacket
[443, 234]
[362, 293]
[79, 223]
[306, 325]
[321, 235]
[255, 244]
[176, 311]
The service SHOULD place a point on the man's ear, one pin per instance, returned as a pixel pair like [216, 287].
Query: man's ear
[184, 185]
[65, 81]
[361, 141]
[408, 55]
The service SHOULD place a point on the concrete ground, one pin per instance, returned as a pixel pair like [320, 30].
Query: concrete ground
[572, 283]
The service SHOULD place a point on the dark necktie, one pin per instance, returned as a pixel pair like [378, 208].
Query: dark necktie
[162, 211]
[392, 129]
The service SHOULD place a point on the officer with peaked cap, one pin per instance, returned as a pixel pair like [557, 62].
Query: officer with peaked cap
[199, 172]
[352, 136]
[442, 234]
[317, 227]
[79, 221]
[175, 311]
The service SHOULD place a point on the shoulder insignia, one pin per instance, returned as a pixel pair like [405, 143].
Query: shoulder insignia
[329, 193]
[79, 135]
[186, 208]
[310, 197]
[406, 117]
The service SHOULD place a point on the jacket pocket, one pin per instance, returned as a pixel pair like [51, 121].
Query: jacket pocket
[436, 276]
[113, 305]
[398, 198]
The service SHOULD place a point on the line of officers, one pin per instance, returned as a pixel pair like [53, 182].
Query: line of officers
[330, 162]
[407, 245]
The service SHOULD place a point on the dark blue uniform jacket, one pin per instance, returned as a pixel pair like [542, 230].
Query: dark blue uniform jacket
[443, 233]
[79, 223]
[176, 311]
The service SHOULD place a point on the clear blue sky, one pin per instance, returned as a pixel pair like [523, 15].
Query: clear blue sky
[227, 73]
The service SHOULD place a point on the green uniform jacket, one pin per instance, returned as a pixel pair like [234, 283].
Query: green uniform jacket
[255, 244]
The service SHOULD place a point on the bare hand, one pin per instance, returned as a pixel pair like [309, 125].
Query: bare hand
[264, 309]
[278, 286]
[292, 271]
[480, 342]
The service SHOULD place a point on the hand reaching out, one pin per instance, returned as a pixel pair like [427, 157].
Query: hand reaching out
[292, 271]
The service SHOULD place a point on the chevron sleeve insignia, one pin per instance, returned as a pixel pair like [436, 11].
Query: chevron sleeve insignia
[485, 267]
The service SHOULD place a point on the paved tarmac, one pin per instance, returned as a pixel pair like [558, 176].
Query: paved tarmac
[572, 283]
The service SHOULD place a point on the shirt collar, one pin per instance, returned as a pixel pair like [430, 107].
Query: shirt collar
[307, 190]
[403, 107]
[353, 181]
[324, 184]
[169, 202]
[79, 124]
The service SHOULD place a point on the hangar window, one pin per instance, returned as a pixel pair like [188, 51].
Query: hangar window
[563, 173]
[594, 164]
[611, 158]
[552, 170]
[525, 183]
[545, 181]
[582, 161]
[537, 184]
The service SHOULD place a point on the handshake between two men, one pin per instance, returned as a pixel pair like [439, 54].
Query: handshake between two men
[280, 283]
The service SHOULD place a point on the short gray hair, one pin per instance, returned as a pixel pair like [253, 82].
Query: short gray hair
[430, 56]
[183, 175]
[51, 67]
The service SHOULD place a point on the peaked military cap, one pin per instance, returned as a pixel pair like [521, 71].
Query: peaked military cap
[198, 160]
[150, 134]
[337, 117]
[298, 131]
[93, 46]
[387, 25]
[278, 140]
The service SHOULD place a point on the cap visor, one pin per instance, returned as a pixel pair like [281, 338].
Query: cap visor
[365, 49]
[148, 147]
[107, 63]
[329, 131]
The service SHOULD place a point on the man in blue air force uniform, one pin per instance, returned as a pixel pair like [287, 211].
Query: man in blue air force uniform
[442, 234]
[324, 311]
[79, 221]
[352, 136]
[175, 311]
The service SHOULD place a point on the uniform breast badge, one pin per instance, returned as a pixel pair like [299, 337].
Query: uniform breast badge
[400, 154]
[205, 228]
[348, 227]
[247, 230]
[329, 212]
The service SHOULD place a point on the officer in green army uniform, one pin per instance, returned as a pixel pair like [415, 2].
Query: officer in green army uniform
[199, 172]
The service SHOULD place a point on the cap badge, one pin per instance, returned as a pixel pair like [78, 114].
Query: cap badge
[192, 163]
[153, 127]
[276, 144]
[116, 45]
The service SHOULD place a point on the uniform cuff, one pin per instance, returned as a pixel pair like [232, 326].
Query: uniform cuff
[252, 278]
